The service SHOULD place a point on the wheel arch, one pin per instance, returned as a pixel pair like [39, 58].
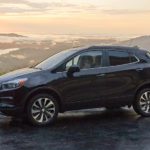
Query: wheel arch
[44, 90]
[143, 86]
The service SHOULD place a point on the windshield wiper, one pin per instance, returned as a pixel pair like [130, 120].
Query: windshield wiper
[37, 68]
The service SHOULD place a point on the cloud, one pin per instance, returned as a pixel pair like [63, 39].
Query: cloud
[124, 11]
[37, 4]
[16, 6]
[8, 7]
[4, 10]
[25, 2]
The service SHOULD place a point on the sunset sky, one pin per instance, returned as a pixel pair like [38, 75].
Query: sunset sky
[105, 17]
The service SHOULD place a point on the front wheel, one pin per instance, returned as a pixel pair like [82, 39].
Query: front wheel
[42, 110]
[141, 104]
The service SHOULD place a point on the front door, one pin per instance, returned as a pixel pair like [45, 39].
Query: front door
[78, 89]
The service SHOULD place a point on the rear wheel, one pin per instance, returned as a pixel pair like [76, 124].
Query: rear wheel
[141, 104]
[42, 110]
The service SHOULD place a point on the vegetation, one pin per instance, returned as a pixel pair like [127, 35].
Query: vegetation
[1, 73]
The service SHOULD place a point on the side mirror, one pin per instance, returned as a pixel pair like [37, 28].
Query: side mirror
[72, 70]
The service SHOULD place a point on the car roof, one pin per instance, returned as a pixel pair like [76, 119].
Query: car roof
[124, 48]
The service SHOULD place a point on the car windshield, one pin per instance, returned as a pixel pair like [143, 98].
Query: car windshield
[54, 60]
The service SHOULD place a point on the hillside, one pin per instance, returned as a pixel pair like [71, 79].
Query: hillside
[11, 35]
[23, 52]
[142, 42]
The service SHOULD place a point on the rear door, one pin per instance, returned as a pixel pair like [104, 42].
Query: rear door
[120, 76]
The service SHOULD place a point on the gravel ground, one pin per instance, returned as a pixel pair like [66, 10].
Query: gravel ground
[95, 129]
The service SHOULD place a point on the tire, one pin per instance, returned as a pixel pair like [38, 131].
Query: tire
[141, 105]
[42, 110]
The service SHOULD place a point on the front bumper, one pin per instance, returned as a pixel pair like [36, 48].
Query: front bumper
[7, 111]
[7, 107]
[11, 102]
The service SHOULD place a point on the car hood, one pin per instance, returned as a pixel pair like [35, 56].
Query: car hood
[17, 74]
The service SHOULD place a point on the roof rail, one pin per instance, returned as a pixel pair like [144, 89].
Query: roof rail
[136, 47]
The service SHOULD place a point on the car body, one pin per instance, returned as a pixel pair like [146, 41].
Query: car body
[80, 78]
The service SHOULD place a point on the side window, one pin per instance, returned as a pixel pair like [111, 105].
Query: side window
[86, 60]
[133, 59]
[72, 62]
[118, 58]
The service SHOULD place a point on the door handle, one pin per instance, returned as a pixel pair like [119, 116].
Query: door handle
[139, 69]
[101, 75]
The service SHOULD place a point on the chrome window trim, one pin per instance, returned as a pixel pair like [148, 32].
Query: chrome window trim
[138, 60]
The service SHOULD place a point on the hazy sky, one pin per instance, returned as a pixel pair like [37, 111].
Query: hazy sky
[106, 17]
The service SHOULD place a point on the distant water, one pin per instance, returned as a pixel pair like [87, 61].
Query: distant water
[6, 51]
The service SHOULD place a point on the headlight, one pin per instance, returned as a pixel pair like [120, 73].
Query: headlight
[13, 84]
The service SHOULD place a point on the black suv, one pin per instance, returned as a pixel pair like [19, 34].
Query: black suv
[89, 77]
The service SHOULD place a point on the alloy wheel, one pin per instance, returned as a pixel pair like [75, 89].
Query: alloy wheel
[43, 110]
[144, 102]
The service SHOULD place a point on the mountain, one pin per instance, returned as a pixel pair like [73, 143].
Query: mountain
[142, 42]
[11, 35]
[23, 52]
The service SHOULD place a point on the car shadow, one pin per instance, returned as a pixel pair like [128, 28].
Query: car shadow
[80, 118]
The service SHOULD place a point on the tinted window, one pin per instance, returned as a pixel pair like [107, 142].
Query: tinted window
[118, 58]
[92, 59]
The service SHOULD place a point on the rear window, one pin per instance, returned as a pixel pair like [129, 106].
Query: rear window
[118, 58]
